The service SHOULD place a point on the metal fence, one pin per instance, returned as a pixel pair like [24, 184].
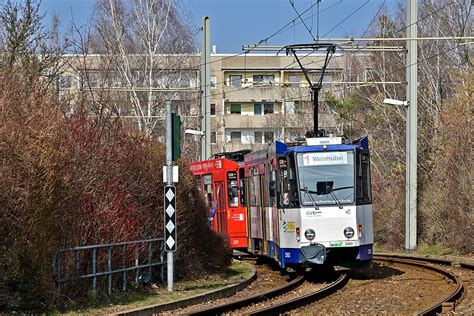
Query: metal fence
[105, 260]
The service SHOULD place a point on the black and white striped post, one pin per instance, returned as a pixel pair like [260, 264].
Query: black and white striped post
[170, 201]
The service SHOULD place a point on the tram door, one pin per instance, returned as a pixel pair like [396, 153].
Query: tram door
[220, 204]
[263, 212]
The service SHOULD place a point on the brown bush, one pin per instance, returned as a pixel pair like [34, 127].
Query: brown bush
[69, 181]
[389, 212]
[446, 212]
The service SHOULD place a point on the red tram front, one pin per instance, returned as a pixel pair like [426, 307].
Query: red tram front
[221, 180]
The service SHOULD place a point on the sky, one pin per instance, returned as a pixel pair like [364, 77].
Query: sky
[235, 23]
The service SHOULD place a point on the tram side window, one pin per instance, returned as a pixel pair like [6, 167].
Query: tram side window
[199, 181]
[254, 189]
[292, 181]
[242, 186]
[272, 184]
[282, 183]
[207, 182]
[363, 186]
[265, 187]
[283, 192]
[232, 189]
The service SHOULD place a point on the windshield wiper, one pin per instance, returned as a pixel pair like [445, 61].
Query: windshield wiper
[330, 190]
[310, 194]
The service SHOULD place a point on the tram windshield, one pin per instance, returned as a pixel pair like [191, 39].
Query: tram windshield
[326, 178]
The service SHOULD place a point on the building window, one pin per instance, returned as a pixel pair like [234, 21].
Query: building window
[328, 78]
[235, 81]
[294, 80]
[213, 81]
[299, 107]
[213, 137]
[64, 82]
[91, 79]
[258, 137]
[235, 137]
[235, 109]
[268, 136]
[263, 78]
[268, 108]
[213, 109]
[257, 109]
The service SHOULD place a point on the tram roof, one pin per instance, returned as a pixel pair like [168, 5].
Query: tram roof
[279, 147]
[302, 149]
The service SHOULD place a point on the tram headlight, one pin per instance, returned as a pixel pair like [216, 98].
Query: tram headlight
[309, 234]
[349, 232]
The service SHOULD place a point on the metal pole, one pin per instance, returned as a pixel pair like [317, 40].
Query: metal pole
[206, 89]
[169, 181]
[109, 269]
[94, 271]
[124, 274]
[315, 110]
[412, 128]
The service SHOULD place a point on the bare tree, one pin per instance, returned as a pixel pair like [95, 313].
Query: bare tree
[27, 45]
[442, 71]
[147, 48]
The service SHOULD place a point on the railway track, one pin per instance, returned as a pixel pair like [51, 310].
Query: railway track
[300, 295]
[224, 308]
[288, 305]
[448, 302]
[267, 297]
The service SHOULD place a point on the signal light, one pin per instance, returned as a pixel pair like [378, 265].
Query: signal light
[175, 136]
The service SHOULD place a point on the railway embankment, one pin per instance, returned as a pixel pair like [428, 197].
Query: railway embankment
[386, 287]
[157, 299]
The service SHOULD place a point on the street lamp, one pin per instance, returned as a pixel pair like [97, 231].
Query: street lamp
[199, 133]
[395, 102]
[411, 181]
[194, 132]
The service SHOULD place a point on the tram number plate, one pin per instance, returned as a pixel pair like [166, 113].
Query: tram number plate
[341, 244]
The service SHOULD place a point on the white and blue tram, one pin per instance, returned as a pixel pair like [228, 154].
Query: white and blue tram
[310, 204]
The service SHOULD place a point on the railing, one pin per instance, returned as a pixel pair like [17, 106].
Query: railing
[85, 262]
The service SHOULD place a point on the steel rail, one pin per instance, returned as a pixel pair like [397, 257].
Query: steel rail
[220, 309]
[305, 299]
[451, 297]
[462, 262]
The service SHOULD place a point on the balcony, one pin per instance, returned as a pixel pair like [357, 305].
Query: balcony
[272, 121]
[235, 146]
[295, 93]
[247, 121]
[253, 93]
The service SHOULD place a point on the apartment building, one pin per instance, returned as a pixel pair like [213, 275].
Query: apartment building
[255, 98]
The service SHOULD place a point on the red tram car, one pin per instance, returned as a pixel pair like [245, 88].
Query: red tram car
[220, 180]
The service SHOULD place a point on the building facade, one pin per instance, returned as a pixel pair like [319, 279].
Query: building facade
[255, 98]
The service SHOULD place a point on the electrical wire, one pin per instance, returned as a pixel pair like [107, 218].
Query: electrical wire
[302, 21]
[353, 52]
[370, 83]
[346, 18]
[398, 31]
[336, 90]
[262, 41]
